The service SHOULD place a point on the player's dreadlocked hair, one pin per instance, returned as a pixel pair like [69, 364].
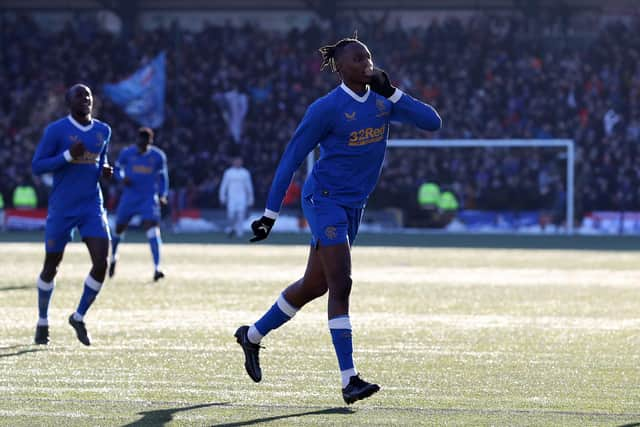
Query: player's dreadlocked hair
[330, 51]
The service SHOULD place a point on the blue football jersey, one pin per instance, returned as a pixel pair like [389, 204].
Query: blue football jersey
[75, 182]
[352, 132]
[147, 172]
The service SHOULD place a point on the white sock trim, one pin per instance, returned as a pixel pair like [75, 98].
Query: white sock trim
[286, 308]
[346, 375]
[44, 286]
[254, 335]
[78, 317]
[153, 232]
[119, 236]
[341, 322]
[43, 322]
[93, 283]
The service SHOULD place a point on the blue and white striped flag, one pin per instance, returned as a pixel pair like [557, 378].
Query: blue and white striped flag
[141, 95]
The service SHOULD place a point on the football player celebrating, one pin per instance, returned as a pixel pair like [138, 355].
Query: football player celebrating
[74, 149]
[351, 125]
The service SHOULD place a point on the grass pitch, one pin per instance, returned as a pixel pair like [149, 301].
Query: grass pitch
[453, 336]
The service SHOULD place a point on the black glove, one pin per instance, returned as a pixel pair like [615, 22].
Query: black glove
[380, 83]
[261, 228]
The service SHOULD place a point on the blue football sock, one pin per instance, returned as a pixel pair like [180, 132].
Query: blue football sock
[340, 328]
[91, 289]
[115, 241]
[279, 313]
[45, 290]
[155, 242]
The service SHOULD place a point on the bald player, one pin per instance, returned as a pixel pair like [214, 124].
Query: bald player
[74, 150]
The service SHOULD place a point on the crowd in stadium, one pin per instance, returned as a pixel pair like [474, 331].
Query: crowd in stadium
[485, 77]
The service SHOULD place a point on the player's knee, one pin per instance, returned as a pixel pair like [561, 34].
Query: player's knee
[100, 266]
[341, 289]
[50, 267]
[48, 273]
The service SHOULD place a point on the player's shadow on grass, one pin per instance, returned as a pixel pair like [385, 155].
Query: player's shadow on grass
[329, 411]
[24, 349]
[630, 425]
[162, 416]
[17, 288]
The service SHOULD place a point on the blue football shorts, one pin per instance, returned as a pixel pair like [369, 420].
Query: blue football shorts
[59, 229]
[330, 223]
[147, 208]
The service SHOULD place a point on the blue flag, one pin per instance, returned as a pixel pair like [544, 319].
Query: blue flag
[141, 95]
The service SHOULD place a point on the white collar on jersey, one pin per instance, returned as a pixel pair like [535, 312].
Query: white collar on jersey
[78, 125]
[354, 95]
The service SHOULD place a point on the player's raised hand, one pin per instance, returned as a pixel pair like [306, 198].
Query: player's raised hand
[380, 83]
[261, 228]
[77, 150]
[163, 200]
[107, 171]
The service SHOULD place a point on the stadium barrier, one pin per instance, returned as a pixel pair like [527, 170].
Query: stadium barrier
[383, 220]
[24, 219]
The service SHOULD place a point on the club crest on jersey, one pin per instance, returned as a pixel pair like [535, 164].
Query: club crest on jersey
[100, 138]
[350, 117]
[330, 232]
[382, 108]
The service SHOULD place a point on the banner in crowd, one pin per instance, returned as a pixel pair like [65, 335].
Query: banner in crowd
[234, 106]
[25, 219]
[473, 220]
[607, 222]
[141, 95]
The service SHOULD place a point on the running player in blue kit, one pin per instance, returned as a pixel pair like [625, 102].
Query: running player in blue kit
[351, 125]
[74, 150]
[142, 168]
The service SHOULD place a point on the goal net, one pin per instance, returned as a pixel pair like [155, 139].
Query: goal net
[544, 161]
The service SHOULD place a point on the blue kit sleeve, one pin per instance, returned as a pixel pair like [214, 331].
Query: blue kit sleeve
[314, 126]
[47, 157]
[103, 154]
[163, 176]
[407, 109]
[121, 164]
